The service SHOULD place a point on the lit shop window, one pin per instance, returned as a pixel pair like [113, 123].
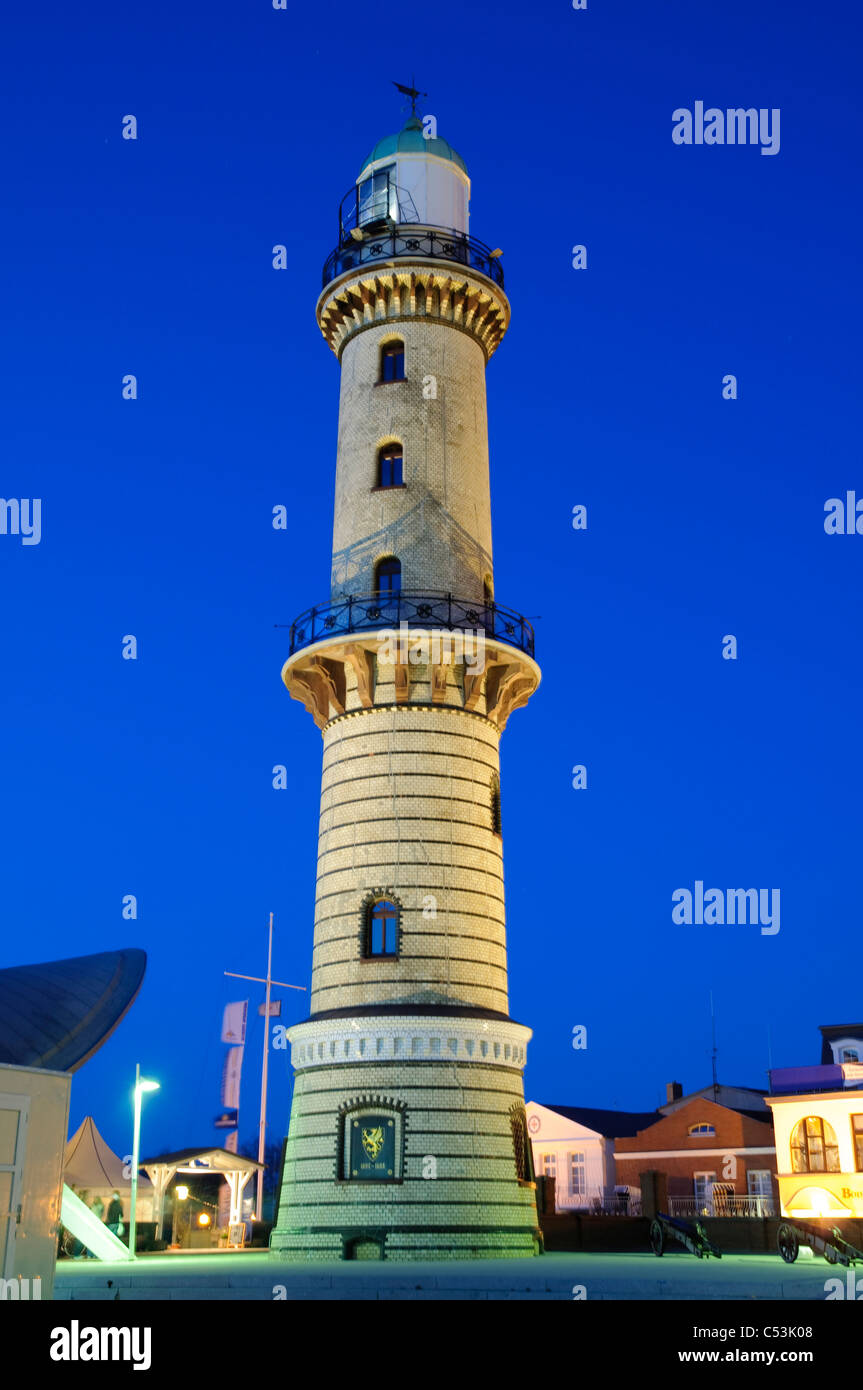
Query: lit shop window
[813, 1147]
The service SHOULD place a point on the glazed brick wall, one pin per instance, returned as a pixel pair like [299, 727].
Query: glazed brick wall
[439, 524]
[406, 807]
[459, 1114]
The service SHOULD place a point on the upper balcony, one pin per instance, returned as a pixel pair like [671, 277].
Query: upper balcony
[382, 612]
[803, 1080]
[378, 221]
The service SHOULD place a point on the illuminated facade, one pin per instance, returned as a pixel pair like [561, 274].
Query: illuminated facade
[408, 1133]
[818, 1123]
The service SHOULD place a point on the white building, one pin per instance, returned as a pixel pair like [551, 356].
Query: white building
[575, 1146]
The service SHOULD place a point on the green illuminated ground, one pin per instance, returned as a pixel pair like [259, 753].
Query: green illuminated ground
[254, 1276]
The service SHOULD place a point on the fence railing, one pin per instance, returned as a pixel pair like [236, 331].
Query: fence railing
[598, 1203]
[721, 1204]
[380, 612]
[426, 243]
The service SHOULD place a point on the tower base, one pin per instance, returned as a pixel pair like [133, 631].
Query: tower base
[420, 1152]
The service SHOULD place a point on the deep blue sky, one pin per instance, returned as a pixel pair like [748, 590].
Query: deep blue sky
[705, 517]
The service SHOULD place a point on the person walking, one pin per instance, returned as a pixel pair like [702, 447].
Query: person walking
[114, 1219]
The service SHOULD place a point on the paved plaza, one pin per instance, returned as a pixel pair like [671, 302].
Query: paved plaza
[253, 1275]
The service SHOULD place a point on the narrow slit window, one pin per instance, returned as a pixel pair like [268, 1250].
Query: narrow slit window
[496, 824]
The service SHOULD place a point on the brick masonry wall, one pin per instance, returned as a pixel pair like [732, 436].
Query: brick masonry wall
[439, 524]
[456, 1114]
[733, 1131]
[406, 808]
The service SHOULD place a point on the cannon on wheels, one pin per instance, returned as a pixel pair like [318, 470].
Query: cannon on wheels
[831, 1244]
[689, 1233]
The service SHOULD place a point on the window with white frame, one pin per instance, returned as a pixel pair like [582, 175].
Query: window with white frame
[759, 1182]
[577, 1182]
[549, 1165]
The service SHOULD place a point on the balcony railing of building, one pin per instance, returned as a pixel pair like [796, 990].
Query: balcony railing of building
[598, 1203]
[436, 244]
[378, 221]
[383, 612]
[721, 1204]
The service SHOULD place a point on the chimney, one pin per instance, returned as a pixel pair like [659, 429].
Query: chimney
[673, 1092]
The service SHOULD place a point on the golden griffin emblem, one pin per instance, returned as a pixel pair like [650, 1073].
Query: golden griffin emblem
[373, 1141]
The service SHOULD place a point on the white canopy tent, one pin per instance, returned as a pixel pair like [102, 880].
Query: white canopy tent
[92, 1169]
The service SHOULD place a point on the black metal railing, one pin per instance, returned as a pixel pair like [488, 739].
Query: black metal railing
[377, 199]
[435, 244]
[382, 612]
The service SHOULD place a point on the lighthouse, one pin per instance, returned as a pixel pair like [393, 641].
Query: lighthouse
[407, 1136]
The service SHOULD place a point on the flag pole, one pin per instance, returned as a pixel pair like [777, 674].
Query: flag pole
[262, 1129]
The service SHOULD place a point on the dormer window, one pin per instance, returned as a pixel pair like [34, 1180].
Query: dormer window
[390, 461]
[393, 362]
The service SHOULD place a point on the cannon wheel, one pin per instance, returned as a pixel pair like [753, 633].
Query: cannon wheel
[657, 1238]
[787, 1243]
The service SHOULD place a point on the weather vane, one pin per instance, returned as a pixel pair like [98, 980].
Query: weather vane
[412, 93]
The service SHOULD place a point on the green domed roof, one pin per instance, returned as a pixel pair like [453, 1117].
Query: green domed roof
[411, 140]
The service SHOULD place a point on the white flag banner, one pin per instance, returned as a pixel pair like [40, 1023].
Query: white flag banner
[234, 1022]
[231, 1078]
[231, 1142]
[275, 1008]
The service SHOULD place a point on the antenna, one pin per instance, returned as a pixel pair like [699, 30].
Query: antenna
[713, 1034]
[411, 92]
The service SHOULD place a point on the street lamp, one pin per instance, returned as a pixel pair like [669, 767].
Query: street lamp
[140, 1088]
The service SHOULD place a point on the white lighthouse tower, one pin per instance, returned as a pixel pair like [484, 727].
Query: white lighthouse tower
[407, 1135]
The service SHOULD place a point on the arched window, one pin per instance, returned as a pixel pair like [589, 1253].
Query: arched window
[388, 577]
[390, 462]
[813, 1147]
[495, 805]
[702, 1128]
[382, 928]
[393, 362]
[521, 1145]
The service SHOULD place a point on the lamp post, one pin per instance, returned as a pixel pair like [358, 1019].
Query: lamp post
[140, 1088]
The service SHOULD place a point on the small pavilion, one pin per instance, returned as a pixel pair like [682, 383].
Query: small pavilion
[234, 1167]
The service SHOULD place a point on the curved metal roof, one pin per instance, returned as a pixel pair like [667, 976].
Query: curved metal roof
[411, 140]
[59, 1013]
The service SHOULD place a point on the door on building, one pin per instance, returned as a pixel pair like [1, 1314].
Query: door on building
[13, 1131]
[703, 1184]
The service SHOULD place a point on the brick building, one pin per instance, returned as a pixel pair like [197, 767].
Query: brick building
[575, 1145]
[718, 1159]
